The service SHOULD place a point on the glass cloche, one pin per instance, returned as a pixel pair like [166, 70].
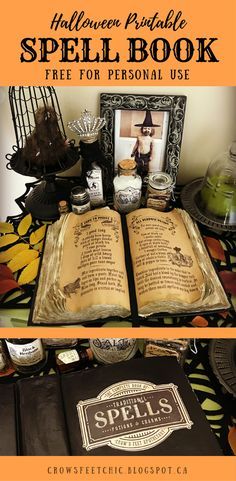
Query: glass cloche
[217, 196]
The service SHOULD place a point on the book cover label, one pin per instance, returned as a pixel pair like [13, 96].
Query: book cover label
[132, 415]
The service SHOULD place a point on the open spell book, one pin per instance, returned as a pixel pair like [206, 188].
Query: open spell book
[100, 264]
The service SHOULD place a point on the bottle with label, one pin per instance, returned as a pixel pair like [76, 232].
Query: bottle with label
[159, 191]
[95, 185]
[73, 359]
[80, 200]
[127, 187]
[111, 350]
[27, 355]
[177, 348]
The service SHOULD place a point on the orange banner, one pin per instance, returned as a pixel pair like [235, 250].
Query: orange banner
[134, 332]
[92, 43]
[118, 468]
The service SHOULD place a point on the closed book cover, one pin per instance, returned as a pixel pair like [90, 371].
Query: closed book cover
[8, 430]
[41, 417]
[139, 407]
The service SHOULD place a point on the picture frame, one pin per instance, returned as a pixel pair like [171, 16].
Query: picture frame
[126, 116]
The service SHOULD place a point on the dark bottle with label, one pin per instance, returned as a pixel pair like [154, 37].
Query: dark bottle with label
[73, 359]
[27, 355]
[80, 200]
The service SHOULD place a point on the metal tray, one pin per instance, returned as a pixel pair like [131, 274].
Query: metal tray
[188, 197]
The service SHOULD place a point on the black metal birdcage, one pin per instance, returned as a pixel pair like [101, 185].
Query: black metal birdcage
[42, 149]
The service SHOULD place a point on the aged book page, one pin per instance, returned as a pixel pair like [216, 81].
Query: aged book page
[93, 263]
[83, 274]
[172, 270]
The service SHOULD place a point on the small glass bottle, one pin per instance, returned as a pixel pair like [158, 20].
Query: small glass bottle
[159, 191]
[73, 359]
[80, 200]
[177, 348]
[27, 355]
[217, 198]
[63, 207]
[94, 178]
[127, 187]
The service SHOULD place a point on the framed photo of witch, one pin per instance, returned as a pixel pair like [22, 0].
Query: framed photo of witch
[148, 128]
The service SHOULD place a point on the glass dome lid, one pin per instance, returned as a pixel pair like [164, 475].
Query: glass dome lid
[216, 198]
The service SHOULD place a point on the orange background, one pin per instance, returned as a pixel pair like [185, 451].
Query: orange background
[32, 19]
[204, 19]
[36, 468]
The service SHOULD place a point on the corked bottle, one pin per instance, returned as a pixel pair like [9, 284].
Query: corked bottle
[127, 187]
[63, 207]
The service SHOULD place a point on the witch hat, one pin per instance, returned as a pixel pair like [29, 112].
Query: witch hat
[147, 121]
